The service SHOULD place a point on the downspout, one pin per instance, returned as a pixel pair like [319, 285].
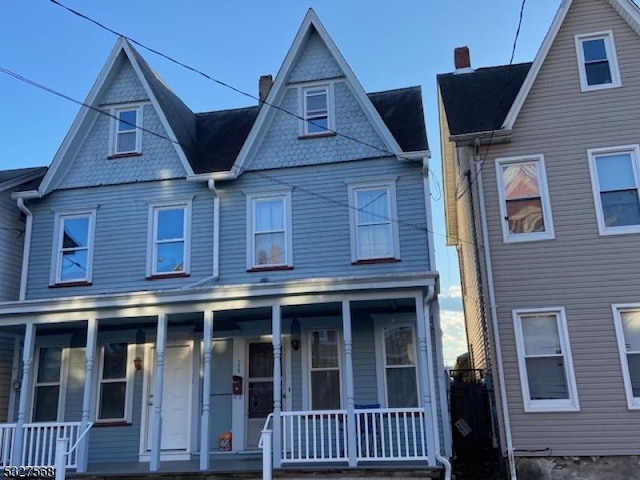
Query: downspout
[494, 321]
[24, 274]
[211, 184]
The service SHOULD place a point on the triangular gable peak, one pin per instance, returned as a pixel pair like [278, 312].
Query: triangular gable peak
[123, 62]
[313, 37]
[625, 8]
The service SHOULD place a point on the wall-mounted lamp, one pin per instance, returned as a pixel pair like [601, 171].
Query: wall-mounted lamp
[295, 334]
[295, 343]
[137, 363]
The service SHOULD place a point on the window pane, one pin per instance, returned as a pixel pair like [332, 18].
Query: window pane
[170, 224]
[260, 399]
[398, 342]
[115, 361]
[520, 181]
[126, 142]
[325, 390]
[598, 73]
[547, 380]
[402, 390]
[316, 101]
[260, 360]
[540, 334]
[594, 50]
[76, 232]
[620, 208]
[74, 265]
[631, 329]
[634, 372]
[170, 257]
[375, 241]
[127, 120]
[112, 400]
[615, 172]
[324, 349]
[270, 249]
[45, 403]
[373, 206]
[269, 215]
[319, 125]
[525, 215]
[49, 362]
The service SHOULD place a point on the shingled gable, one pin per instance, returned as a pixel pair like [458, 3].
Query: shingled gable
[173, 114]
[311, 23]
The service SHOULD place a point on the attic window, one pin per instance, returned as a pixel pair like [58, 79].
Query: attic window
[597, 61]
[127, 138]
[317, 112]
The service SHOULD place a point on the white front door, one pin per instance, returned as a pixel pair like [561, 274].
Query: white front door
[176, 400]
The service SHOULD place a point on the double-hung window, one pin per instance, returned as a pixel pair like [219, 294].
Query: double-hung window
[374, 228]
[524, 200]
[544, 359]
[627, 320]
[316, 110]
[324, 377]
[48, 388]
[73, 248]
[114, 383]
[269, 244]
[400, 366]
[170, 240]
[597, 63]
[615, 180]
[126, 133]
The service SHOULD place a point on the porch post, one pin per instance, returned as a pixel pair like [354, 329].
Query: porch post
[351, 412]
[156, 432]
[276, 327]
[90, 353]
[205, 446]
[424, 374]
[25, 391]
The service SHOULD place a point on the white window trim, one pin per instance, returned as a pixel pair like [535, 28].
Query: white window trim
[285, 196]
[633, 403]
[305, 340]
[130, 370]
[549, 233]
[353, 188]
[63, 342]
[151, 236]
[398, 320]
[612, 58]
[58, 232]
[592, 153]
[571, 404]
[113, 131]
[303, 110]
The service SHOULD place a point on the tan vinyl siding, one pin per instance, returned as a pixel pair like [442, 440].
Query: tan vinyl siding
[579, 270]
[448, 175]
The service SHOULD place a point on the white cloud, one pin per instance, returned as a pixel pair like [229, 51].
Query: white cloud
[455, 291]
[454, 341]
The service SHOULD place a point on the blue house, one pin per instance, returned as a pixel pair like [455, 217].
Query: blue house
[193, 279]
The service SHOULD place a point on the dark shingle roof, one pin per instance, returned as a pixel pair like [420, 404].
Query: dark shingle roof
[7, 176]
[480, 101]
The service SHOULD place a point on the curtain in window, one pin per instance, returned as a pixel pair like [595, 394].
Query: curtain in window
[269, 232]
[374, 225]
[523, 200]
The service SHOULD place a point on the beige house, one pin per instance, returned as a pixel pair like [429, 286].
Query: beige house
[542, 172]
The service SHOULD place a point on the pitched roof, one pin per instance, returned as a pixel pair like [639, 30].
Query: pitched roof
[479, 101]
[27, 178]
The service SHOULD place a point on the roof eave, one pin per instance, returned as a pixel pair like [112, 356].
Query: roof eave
[484, 138]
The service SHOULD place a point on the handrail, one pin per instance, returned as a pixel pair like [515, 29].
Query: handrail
[80, 437]
[265, 428]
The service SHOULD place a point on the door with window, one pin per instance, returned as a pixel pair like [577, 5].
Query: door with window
[47, 388]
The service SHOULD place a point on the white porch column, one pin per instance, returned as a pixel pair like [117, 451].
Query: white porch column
[87, 400]
[156, 432]
[276, 327]
[348, 353]
[425, 374]
[25, 390]
[205, 443]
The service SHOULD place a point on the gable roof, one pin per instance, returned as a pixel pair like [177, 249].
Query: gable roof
[26, 178]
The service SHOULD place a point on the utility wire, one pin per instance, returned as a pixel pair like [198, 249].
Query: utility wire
[500, 100]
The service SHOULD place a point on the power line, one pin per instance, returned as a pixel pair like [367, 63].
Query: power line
[500, 99]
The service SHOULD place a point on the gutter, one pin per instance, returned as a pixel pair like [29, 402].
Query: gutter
[489, 137]
[24, 274]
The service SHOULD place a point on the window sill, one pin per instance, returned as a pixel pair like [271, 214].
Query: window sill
[124, 155]
[370, 261]
[71, 284]
[161, 276]
[107, 423]
[274, 268]
[316, 135]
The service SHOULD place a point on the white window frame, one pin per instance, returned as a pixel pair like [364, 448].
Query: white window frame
[304, 127]
[353, 189]
[545, 201]
[570, 404]
[152, 230]
[633, 403]
[307, 362]
[252, 198]
[592, 154]
[57, 252]
[612, 58]
[62, 342]
[115, 120]
[129, 373]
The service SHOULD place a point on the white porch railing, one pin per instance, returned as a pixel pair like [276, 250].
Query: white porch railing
[7, 433]
[316, 436]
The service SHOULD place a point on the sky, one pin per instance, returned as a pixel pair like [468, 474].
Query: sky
[388, 44]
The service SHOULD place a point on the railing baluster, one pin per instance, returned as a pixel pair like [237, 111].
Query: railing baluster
[377, 417]
[406, 435]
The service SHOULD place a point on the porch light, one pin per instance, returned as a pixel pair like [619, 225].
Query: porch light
[137, 363]
[295, 343]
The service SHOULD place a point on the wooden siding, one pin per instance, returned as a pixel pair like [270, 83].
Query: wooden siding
[11, 240]
[7, 342]
[449, 175]
[578, 270]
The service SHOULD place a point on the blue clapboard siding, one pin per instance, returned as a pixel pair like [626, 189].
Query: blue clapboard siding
[365, 385]
[7, 343]
[221, 373]
[10, 247]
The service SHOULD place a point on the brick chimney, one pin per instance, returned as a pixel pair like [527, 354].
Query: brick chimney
[264, 85]
[462, 60]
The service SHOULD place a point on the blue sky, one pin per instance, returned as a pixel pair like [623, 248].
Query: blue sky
[388, 45]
